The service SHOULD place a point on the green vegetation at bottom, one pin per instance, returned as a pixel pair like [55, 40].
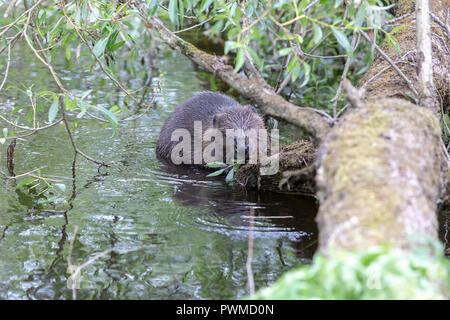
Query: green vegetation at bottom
[381, 272]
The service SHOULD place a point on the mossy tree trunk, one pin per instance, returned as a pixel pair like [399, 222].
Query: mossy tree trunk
[381, 170]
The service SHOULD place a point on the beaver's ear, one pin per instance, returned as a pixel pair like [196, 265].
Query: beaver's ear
[250, 107]
[215, 120]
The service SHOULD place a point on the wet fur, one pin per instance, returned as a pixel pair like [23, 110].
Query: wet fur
[215, 110]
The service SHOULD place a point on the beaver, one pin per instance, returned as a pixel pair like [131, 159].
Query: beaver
[213, 111]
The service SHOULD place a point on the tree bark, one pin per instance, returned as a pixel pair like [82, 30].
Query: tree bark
[381, 171]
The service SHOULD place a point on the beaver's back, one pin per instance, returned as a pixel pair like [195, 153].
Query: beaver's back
[200, 107]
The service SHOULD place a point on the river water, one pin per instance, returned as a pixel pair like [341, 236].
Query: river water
[171, 234]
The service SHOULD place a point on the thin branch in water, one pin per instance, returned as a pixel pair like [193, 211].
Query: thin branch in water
[267, 217]
[72, 140]
[248, 265]
[75, 271]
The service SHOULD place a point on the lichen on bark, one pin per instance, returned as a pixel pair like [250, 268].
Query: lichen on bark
[379, 176]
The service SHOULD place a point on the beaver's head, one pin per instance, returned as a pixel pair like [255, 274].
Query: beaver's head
[239, 127]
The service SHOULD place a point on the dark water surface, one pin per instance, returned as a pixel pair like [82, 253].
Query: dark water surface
[174, 234]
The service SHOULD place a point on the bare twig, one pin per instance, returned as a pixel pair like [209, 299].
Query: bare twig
[386, 57]
[249, 64]
[11, 6]
[446, 27]
[43, 59]
[80, 35]
[352, 95]
[343, 77]
[72, 140]
[384, 70]
[29, 174]
[7, 67]
[33, 130]
[395, 20]
[267, 217]
[75, 271]
[424, 56]
[194, 26]
[9, 26]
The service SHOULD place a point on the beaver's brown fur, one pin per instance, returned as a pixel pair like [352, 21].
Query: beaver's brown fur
[214, 110]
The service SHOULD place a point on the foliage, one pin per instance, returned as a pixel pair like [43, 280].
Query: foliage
[300, 42]
[297, 46]
[224, 168]
[381, 272]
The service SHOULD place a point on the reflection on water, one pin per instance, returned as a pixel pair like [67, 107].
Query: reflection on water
[174, 233]
[227, 208]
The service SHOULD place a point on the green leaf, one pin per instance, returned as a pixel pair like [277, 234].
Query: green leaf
[41, 16]
[108, 115]
[295, 71]
[53, 111]
[85, 94]
[317, 33]
[254, 56]
[239, 60]
[302, 5]
[152, 7]
[116, 46]
[173, 12]
[205, 5]
[230, 45]
[100, 46]
[67, 53]
[394, 42]
[181, 11]
[230, 176]
[5, 132]
[40, 107]
[292, 64]
[17, 109]
[215, 165]
[70, 104]
[60, 186]
[307, 69]
[397, 28]
[342, 40]
[25, 182]
[337, 3]
[360, 15]
[284, 52]
[216, 173]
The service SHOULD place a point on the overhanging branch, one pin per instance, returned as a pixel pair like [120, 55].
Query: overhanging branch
[262, 94]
